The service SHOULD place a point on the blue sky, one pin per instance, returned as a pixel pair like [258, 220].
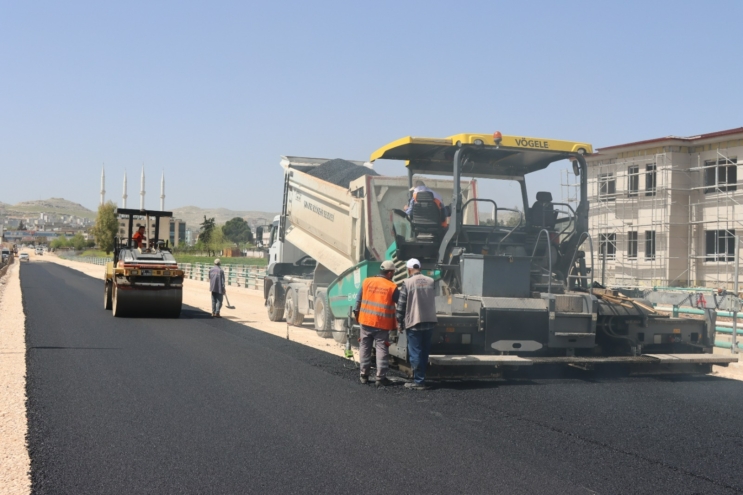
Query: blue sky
[213, 92]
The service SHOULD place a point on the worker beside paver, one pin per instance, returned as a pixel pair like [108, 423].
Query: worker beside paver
[375, 312]
[217, 287]
[416, 316]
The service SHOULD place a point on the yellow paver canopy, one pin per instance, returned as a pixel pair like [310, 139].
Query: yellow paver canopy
[488, 155]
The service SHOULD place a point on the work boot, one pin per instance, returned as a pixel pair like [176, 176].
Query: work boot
[217, 315]
[416, 386]
[383, 382]
[364, 379]
[213, 314]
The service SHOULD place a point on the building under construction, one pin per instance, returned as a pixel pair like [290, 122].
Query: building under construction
[666, 211]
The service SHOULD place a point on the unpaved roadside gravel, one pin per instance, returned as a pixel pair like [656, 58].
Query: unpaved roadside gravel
[14, 459]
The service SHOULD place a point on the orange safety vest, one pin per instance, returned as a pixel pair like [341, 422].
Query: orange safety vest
[377, 308]
[138, 238]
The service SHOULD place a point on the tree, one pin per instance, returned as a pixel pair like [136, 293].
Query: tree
[106, 227]
[238, 231]
[207, 228]
[59, 243]
[21, 226]
[217, 242]
[79, 243]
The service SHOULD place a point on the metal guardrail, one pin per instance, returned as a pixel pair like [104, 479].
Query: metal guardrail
[88, 259]
[246, 276]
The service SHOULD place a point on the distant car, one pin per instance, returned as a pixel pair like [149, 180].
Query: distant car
[39, 252]
[23, 257]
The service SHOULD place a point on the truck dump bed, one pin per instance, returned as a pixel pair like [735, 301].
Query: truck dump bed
[341, 226]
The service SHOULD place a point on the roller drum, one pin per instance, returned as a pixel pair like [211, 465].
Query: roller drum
[138, 302]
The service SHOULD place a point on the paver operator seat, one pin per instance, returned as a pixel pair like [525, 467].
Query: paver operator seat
[426, 214]
[542, 214]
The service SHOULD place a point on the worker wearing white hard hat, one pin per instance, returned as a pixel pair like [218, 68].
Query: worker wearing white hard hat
[416, 316]
[375, 312]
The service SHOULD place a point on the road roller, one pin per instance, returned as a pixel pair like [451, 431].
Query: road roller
[143, 279]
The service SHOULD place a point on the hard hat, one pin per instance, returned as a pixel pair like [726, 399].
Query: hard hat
[387, 266]
[413, 263]
[217, 261]
[418, 183]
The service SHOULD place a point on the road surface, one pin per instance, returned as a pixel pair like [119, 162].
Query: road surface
[202, 405]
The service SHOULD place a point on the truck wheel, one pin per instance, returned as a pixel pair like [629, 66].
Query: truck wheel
[323, 315]
[274, 305]
[107, 302]
[291, 309]
[340, 329]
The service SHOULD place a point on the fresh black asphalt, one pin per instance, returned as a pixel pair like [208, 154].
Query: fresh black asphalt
[198, 405]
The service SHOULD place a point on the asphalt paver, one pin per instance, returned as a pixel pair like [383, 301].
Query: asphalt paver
[202, 405]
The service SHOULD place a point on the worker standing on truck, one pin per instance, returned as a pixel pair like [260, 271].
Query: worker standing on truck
[416, 316]
[139, 237]
[375, 312]
[217, 287]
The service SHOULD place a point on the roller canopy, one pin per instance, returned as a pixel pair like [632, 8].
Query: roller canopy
[513, 158]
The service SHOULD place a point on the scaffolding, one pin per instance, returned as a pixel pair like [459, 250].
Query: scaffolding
[716, 211]
[665, 219]
[631, 201]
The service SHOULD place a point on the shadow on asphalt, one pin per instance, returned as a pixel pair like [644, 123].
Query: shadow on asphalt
[195, 314]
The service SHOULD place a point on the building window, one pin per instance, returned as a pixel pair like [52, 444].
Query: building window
[608, 244]
[632, 244]
[607, 187]
[650, 179]
[633, 180]
[721, 175]
[649, 244]
[719, 245]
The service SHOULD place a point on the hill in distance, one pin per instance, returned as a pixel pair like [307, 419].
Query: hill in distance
[194, 216]
[57, 206]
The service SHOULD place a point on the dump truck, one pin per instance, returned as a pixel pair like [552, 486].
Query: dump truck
[523, 294]
[142, 280]
[334, 230]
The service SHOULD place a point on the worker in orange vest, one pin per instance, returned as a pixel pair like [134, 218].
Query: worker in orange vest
[139, 237]
[375, 312]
